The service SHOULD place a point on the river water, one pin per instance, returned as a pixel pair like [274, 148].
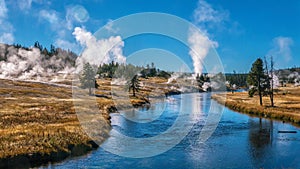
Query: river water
[239, 141]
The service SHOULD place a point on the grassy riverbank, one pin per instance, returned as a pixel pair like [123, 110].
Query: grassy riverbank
[39, 124]
[287, 104]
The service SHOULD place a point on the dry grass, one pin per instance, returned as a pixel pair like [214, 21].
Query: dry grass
[37, 118]
[286, 100]
[41, 118]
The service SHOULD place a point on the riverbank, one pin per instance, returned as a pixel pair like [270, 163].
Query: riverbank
[39, 124]
[286, 100]
[253, 143]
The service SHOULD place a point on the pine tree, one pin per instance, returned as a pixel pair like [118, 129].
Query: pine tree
[37, 45]
[134, 85]
[88, 79]
[53, 50]
[256, 77]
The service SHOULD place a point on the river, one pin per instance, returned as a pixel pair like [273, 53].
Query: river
[239, 141]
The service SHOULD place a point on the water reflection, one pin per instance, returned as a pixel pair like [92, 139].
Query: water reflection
[239, 141]
[260, 138]
[154, 138]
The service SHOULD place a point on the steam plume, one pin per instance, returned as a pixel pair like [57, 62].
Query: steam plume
[31, 64]
[200, 43]
[98, 51]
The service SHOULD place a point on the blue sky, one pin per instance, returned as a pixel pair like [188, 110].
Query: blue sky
[243, 30]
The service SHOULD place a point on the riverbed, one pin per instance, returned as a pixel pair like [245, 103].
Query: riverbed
[238, 141]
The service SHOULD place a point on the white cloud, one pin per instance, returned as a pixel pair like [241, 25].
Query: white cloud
[7, 38]
[99, 51]
[109, 27]
[6, 28]
[51, 16]
[3, 9]
[57, 24]
[76, 13]
[24, 4]
[281, 50]
[63, 26]
[204, 13]
[68, 45]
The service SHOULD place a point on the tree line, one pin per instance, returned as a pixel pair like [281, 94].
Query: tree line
[260, 79]
[237, 80]
[116, 70]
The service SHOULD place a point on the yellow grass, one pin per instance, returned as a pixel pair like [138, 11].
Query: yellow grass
[41, 118]
[286, 100]
[38, 118]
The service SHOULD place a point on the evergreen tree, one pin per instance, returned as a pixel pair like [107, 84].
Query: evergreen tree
[256, 77]
[108, 70]
[163, 74]
[37, 45]
[53, 50]
[87, 78]
[152, 65]
[134, 85]
[45, 52]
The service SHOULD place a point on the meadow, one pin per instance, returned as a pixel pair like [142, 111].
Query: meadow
[286, 104]
[44, 122]
[38, 124]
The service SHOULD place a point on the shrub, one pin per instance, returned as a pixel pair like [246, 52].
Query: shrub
[251, 92]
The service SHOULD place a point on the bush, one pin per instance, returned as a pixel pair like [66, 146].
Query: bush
[251, 92]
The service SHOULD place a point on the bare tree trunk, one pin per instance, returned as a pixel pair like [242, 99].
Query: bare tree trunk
[90, 91]
[272, 83]
[133, 90]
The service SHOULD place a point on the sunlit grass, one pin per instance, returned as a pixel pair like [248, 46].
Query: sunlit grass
[286, 101]
[38, 118]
